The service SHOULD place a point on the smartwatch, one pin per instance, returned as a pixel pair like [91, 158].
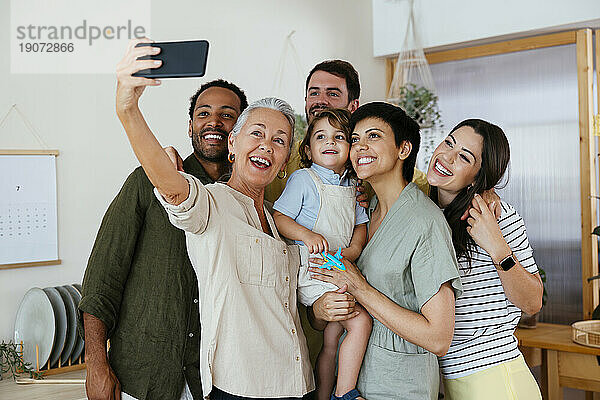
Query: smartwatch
[508, 262]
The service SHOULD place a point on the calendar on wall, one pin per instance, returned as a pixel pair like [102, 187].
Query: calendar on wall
[28, 217]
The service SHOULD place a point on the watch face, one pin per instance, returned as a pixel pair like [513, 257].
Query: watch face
[508, 263]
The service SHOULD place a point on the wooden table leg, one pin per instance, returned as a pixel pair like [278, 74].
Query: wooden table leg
[544, 375]
[550, 370]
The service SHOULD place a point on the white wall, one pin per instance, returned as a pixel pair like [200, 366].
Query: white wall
[445, 23]
[75, 113]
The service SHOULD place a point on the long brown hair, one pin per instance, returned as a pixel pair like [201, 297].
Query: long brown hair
[495, 156]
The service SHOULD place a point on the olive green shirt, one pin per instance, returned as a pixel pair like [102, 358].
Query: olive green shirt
[141, 284]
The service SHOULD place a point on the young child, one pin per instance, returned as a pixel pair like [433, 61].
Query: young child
[318, 210]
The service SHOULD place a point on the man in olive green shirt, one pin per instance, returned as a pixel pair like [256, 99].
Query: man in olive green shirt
[140, 289]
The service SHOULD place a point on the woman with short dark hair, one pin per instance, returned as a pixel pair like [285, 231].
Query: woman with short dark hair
[407, 275]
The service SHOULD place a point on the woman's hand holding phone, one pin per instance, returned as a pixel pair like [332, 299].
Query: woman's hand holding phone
[130, 88]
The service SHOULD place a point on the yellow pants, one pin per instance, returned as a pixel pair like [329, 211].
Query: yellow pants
[511, 380]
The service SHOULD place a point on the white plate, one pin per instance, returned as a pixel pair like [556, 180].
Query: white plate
[60, 318]
[71, 324]
[76, 295]
[35, 324]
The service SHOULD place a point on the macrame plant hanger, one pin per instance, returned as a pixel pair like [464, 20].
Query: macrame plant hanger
[411, 64]
[289, 47]
[413, 89]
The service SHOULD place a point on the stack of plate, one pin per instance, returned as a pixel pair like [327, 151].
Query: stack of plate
[48, 318]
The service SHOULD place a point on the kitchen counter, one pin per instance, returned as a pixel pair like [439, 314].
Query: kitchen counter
[10, 390]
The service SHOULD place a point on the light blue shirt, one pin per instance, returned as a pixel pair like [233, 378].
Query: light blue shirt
[300, 199]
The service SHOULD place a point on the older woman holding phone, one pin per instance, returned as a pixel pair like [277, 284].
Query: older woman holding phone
[252, 343]
[407, 275]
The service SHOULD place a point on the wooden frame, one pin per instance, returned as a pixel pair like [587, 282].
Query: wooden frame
[507, 46]
[588, 153]
[594, 286]
[31, 264]
[597, 34]
[11, 152]
[588, 156]
[28, 152]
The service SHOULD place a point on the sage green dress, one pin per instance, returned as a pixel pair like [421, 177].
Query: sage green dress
[408, 258]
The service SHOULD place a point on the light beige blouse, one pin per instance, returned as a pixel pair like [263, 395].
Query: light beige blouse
[252, 343]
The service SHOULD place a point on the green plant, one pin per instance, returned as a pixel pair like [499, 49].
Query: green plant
[11, 360]
[421, 104]
[300, 127]
[542, 272]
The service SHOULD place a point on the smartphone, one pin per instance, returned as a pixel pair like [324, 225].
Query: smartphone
[179, 59]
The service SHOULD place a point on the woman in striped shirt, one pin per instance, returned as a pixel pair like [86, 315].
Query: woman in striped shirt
[497, 269]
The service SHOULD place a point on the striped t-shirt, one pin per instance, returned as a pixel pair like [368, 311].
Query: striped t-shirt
[485, 318]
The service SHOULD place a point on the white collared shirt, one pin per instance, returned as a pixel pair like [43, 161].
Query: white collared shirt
[252, 343]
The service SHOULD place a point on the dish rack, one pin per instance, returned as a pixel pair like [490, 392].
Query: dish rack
[586, 333]
[71, 365]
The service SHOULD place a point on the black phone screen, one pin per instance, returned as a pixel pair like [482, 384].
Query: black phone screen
[179, 59]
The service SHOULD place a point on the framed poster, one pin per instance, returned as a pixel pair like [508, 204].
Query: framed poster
[28, 212]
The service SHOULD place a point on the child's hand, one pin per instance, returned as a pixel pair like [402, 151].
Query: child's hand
[315, 243]
[349, 254]
[361, 195]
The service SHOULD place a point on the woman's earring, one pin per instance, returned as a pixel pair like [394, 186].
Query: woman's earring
[231, 157]
[284, 174]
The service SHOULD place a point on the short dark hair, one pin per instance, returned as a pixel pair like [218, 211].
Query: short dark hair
[338, 118]
[342, 69]
[222, 84]
[404, 127]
